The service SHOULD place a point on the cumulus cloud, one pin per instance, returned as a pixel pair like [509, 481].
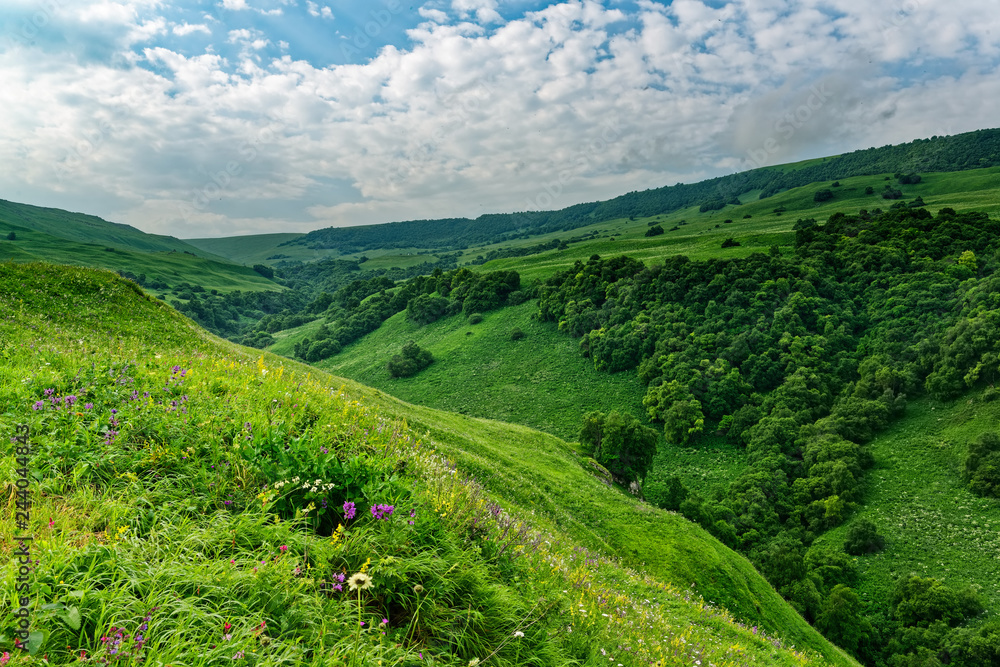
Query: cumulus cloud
[234, 5]
[573, 102]
[317, 11]
[188, 28]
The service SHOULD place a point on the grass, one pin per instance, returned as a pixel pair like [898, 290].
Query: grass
[256, 248]
[539, 381]
[916, 496]
[174, 527]
[87, 229]
[171, 267]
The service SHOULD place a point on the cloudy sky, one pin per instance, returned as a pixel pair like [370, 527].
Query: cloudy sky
[221, 117]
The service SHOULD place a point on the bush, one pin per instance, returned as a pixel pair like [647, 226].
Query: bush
[730, 243]
[265, 271]
[655, 230]
[12, 236]
[620, 443]
[516, 334]
[823, 195]
[982, 465]
[475, 318]
[869, 190]
[863, 538]
[411, 361]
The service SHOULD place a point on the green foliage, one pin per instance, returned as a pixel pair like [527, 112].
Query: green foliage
[863, 538]
[731, 243]
[619, 442]
[982, 465]
[655, 230]
[841, 619]
[264, 270]
[922, 601]
[410, 361]
[12, 236]
[823, 195]
[425, 308]
[516, 334]
[475, 318]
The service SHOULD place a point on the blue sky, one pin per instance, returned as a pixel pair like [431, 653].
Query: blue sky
[221, 117]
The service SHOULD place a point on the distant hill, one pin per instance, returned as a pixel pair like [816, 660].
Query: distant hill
[971, 150]
[255, 248]
[62, 237]
[91, 229]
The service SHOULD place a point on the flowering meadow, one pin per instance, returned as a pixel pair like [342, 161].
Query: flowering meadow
[196, 503]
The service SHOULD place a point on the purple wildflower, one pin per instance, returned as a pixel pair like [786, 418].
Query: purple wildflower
[382, 512]
[38, 405]
[349, 510]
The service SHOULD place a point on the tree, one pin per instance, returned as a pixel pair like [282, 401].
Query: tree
[683, 421]
[12, 236]
[863, 538]
[265, 271]
[411, 361]
[620, 443]
[840, 619]
[655, 230]
[730, 243]
[823, 195]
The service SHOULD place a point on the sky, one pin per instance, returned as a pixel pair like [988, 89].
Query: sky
[206, 118]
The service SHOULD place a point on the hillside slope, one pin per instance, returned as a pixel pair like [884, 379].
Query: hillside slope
[157, 456]
[85, 228]
[170, 267]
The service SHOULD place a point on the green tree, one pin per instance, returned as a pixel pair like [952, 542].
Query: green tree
[620, 443]
[863, 538]
[841, 619]
[683, 421]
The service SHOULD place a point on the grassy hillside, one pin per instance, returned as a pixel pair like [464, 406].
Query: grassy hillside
[540, 381]
[166, 528]
[89, 229]
[932, 524]
[255, 248]
[171, 267]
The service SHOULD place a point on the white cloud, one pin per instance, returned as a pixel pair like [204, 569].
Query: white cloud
[317, 11]
[485, 11]
[188, 28]
[234, 5]
[563, 105]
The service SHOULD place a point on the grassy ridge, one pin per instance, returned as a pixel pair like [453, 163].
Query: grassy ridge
[88, 229]
[171, 267]
[153, 520]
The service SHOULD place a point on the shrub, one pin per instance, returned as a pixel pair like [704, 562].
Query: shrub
[869, 190]
[475, 318]
[411, 361]
[12, 236]
[823, 195]
[863, 538]
[982, 465]
[655, 230]
[730, 243]
[516, 334]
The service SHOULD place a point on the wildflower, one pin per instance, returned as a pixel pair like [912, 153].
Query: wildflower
[385, 621]
[283, 548]
[5, 658]
[474, 662]
[70, 400]
[382, 512]
[518, 633]
[36, 407]
[51, 523]
[88, 406]
[349, 510]
[359, 581]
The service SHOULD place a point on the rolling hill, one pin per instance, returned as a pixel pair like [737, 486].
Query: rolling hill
[161, 455]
